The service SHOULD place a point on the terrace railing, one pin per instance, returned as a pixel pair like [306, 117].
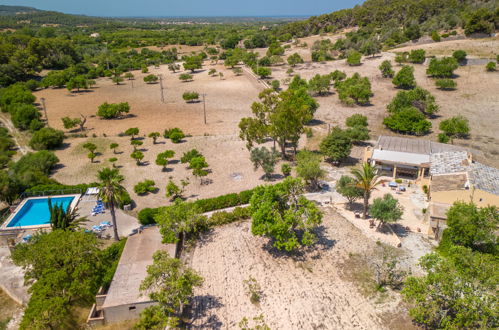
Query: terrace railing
[27, 194]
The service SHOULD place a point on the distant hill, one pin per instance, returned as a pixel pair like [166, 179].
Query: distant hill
[13, 10]
[428, 15]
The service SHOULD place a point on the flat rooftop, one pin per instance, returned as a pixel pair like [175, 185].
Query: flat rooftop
[413, 145]
[132, 267]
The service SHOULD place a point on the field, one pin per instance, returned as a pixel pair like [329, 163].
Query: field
[326, 288]
[227, 101]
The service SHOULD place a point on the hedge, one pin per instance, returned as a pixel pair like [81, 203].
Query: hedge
[146, 216]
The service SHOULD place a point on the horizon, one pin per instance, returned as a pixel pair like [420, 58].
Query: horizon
[190, 8]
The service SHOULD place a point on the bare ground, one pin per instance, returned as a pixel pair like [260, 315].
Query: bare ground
[313, 290]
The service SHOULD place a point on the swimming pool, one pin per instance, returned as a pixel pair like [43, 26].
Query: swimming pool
[35, 211]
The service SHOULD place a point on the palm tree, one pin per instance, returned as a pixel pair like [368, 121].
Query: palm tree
[367, 180]
[111, 192]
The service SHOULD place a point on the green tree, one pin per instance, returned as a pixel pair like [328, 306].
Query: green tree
[319, 84]
[70, 123]
[337, 145]
[199, 167]
[367, 180]
[185, 77]
[162, 158]
[266, 159]
[78, 82]
[180, 221]
[295, 59]
[62, 269]
[354, 90]
[471, 227]
[353, 58]
[190, 97]
[358, 134]
[347, 187]
[356, 120]
[64, 219]
[132, 131]
[446, 84]
[151, 79]
[442, 68]
[91, 147]
[136, 143]
[237, 71]
[114, 146]
[175, 191]
[171, 284]
[280, 211]
[490, 67]
[188, 155]
[154, 136]
[408, 120]
[286, 169]
[144, 187]
[114, 110]
[417, 56]
[457, 292]
[212, 72]
[173, 67]
[455, 127]
[386, 210]
[193, 62]
[479, 21]
[263, 72]
[138, 156]
[405, 78]
[419, 98]
[460, 56]
[117, 78]
[111, 192]
[46, 138]
[22, 115]
[386, 69]
[129, 76]
[308, 167]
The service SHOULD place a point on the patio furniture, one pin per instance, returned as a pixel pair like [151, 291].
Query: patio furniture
[393, 184]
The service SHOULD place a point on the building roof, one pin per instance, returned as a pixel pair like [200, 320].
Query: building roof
[398, 157]
[484, 178]
[439, 210]
[413, 145]
[132, 267]
[448, 182]
[449, 162]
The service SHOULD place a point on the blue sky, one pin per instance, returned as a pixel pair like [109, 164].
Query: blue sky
[188, 7]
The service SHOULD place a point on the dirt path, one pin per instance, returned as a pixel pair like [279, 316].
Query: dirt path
[22, 147]
[306, 292]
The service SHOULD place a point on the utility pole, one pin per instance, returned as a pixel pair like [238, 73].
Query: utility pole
[161, 87]
[45, 110]
[204, 107]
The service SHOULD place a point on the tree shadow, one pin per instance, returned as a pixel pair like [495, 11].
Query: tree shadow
[63, 146]
[315, 122]
[199, 308]
[174, 161]
[400, 230]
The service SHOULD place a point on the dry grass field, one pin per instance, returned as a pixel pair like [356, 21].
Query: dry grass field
[227, 101]
[320, 289]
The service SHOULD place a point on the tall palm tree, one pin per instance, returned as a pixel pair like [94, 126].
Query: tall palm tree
[367, 180]
[111, 192]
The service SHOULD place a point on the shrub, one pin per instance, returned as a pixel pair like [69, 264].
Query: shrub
[146, 216]
[276, 85]
[443, 138]
[491, 67]
[185, 77]
[386, 69]
[405, 78]
[174, 134]
[446, 84]
[442, 68]
[113, 110]
[150, 79]
[408, 120]
[435, 36]
[354, 58]
[190, 96]
[286, 169]
[419, 97]
[457, 126]
[145, 187]
[354, 90]
[187, 156]
[356, 120]
[337, 145]
[460, 56]
[223, 218]
[47, 138]
[263, 72]
[337, 75]
[417, 56]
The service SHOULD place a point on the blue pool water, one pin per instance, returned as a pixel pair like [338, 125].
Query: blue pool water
[36, 211]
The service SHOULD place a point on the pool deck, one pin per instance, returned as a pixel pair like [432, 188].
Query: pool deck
[5, 225]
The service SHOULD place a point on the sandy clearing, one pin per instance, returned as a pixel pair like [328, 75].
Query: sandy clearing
[227, 156]
[310, 292]
[485, 47]
[227, 101]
